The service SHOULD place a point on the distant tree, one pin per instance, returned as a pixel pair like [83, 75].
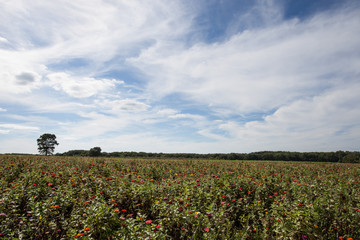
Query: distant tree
[46, 143]
[95, 152]
[83, 153]
[351, 157]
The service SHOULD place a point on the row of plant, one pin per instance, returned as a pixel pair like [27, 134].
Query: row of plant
[93, 198]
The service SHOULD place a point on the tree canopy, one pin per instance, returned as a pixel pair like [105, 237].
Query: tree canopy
[95, 152]
[46, 143]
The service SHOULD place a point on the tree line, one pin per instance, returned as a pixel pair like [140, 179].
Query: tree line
[338, 156]
[47, 142]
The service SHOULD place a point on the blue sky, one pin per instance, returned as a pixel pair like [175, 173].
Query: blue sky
[180, 76]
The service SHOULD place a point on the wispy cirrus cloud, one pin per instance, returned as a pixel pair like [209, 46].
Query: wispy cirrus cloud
[46, 36]
[293, 59]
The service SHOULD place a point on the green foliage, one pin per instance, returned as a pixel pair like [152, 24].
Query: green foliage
[95, 152]
[107, 198]
[46, 143]
[352, 157]
[79, 153]
[339, 156]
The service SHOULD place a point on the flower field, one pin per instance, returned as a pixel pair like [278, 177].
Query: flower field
[108, 198]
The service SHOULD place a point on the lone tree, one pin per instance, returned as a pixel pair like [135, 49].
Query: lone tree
[95, 152]
[46, 143]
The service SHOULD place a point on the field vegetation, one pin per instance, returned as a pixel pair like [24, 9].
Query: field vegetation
[58, 197]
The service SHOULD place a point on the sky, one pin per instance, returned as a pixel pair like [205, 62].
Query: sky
[204, 76]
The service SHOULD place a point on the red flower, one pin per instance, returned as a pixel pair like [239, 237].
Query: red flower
[206, 229]
[158, 226]
[86, 229]
[180, 209]
[148, 221]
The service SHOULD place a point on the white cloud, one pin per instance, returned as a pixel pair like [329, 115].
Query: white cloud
[42, 35]
[123, 105]
[108, 116]
[97, 29]
[167, 112]
[3, 40]
[259, 70]
[2, 109]
[186, 115]
[18, 127]
[322, 123]
[80, 87]
[19, 72]
[129, 105]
